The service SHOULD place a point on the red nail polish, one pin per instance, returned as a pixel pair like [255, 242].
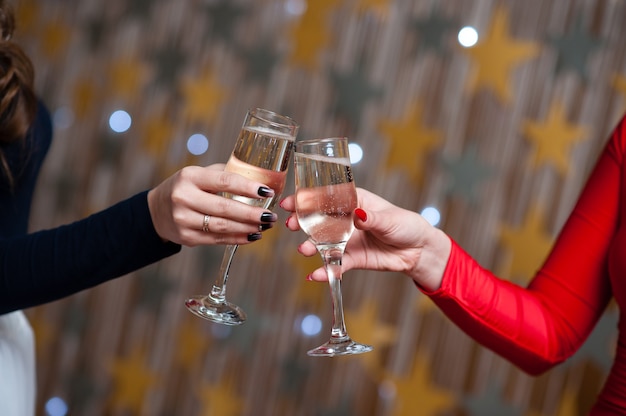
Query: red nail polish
[280, 204]
[309, 277]
[287, 222]
[361, 214]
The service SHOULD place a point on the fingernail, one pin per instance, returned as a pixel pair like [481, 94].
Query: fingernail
[361, 214]
[265, 191]
[287, 222]
[254, 237]
[269, 217]
[309, 277]
[280, 204]
[265, 226]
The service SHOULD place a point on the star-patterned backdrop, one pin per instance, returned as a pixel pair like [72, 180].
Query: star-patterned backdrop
[497, 135]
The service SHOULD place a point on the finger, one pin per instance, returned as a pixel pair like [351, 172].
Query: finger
[288, 203]
[292, 222]
[213, 180]
[203, 203]
[217, 166]
[194, 238]
[219, 225]
[318, 275]
[307, 248]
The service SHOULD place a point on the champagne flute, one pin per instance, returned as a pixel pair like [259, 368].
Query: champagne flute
[261, 153]
[325, 200]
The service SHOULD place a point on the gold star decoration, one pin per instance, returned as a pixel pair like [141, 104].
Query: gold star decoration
[26, 13]
[410, 142]
[220, 399]
[417, 395]
[496, 55]
[55, 38]
[203, 98]
[311, 294]
[132, 379]
[157, 133]
[619, 83]
[310, 35]
[45, 335]
[265, 249]
[192, 344]
[364, 327]
[85, 94]
[529, 245]
[381, 7]
[569, 403]
[128, 77]
[552, 139]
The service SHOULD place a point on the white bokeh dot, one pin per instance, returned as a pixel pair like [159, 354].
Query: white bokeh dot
[356, 153]
[197, 144]
[120, 121]
[56, 406]
[311, 325]
[432, 215]
[468, 36]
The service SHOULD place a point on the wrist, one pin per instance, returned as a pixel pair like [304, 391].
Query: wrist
[433, 260]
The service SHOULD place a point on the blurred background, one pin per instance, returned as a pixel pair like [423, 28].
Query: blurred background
[486, 115]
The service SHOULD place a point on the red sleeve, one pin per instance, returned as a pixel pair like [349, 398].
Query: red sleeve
[541, 325]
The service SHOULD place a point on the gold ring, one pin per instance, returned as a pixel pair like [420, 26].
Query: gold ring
[205, 223]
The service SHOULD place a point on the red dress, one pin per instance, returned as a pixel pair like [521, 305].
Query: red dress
[542, 325]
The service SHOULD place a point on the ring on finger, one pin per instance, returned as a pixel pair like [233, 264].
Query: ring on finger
[205, 223]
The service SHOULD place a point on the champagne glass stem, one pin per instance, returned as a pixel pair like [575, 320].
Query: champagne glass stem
[332, 257]
[218, 292]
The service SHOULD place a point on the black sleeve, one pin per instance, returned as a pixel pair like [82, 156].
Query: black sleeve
[51, 264]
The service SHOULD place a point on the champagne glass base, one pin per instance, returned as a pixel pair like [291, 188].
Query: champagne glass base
[225, 313]
[333, 348]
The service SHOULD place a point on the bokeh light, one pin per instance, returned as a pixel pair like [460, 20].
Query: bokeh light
[56, 407]
[468, 36]
[295, 7]
[356, 153]
[197, 144]
[63, 117]
[120, 121]
[220, 331]
[432, 215]
[311, 325]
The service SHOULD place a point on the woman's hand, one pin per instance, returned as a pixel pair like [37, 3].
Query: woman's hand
[387, 238]
[179, 207]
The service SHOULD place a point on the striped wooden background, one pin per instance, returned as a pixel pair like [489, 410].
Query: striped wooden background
[129, 347]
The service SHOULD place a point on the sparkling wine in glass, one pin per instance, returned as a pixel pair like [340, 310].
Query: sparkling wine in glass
[262, 153]
[325, 200]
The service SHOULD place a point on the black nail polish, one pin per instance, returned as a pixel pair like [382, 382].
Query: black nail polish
[254, 237]
[265, 226]
[265, 191]
[269, 217]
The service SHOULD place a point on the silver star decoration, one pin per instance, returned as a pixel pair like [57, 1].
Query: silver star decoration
[600, 345]
[223, 16]
[490, 403]
[153, 286]
[260, 61]
[169, 61]
[353, 92]
[573, 50]
[466, 173]
[432, 31]
[242, 337]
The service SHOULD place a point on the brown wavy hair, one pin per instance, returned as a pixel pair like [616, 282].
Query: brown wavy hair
[18, 103]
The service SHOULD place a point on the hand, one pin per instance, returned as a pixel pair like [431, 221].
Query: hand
[179, 204]
[387, 238]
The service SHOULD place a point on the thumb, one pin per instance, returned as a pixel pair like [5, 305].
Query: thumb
[361, 219]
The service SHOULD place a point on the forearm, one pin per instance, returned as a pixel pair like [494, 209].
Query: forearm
[51, 264]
